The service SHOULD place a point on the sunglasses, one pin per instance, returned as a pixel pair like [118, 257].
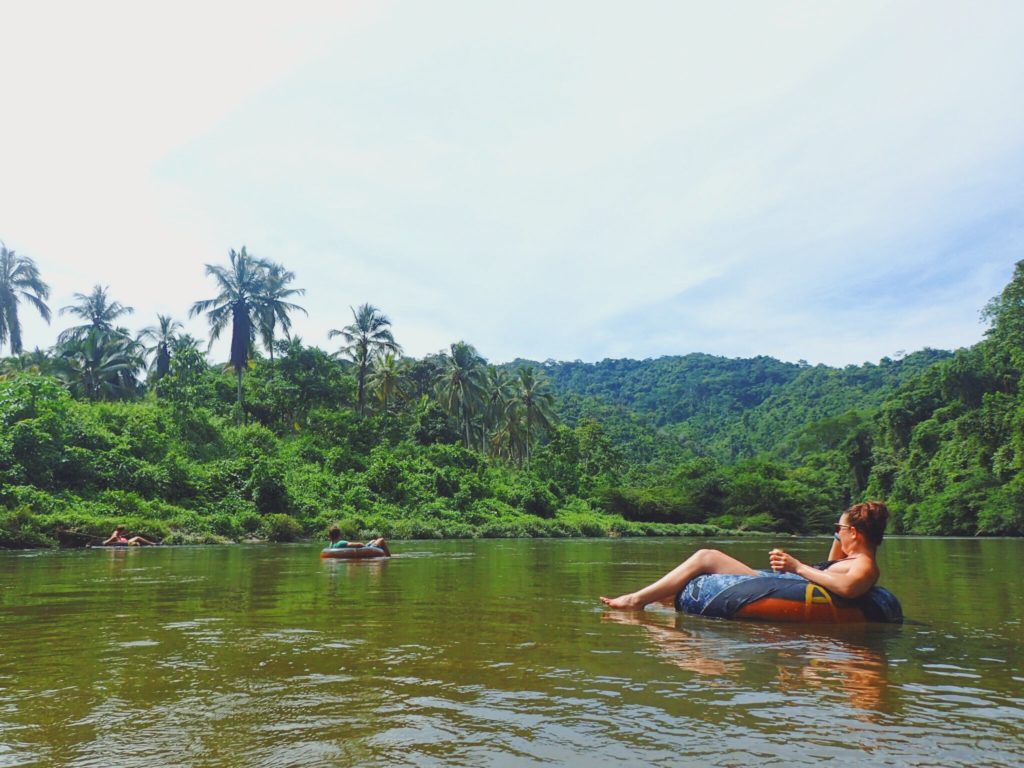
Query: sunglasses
[840, 526]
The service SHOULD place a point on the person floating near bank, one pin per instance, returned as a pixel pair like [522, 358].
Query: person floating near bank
[120, 538]
[849, 572]
[339, 543]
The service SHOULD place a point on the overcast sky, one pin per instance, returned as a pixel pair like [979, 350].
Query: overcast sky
[834, 182]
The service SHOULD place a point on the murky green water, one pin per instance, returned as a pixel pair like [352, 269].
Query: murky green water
[494, 653]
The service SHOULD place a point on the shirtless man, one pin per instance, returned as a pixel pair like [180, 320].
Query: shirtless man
[850, 571]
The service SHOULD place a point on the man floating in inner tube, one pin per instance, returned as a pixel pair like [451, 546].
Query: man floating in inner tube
[849, 572]
[339, 543]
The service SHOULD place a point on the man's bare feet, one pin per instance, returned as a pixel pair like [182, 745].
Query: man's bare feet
[628, 602]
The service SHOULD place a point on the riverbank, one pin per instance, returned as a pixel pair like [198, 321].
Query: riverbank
[23, 529]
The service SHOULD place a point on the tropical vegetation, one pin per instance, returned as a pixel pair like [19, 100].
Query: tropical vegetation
[108, 427]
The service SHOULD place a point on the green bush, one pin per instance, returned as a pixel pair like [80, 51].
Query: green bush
[280, 528]
[727, 522]
[760, 522]
[19, 529]
[267, 486]
[37, 450]
[177, 538]
[350, 528]
[225, 526]
[385, 476]
[252, 442]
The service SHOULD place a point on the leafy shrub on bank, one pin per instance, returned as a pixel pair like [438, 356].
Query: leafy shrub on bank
[280, 528]
[183, 538]
[19, 529]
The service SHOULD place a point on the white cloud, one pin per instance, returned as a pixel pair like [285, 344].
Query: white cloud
[576, 180]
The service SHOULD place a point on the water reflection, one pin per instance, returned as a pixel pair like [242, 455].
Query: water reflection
[341, 567]
[858, 672]
[803, 658]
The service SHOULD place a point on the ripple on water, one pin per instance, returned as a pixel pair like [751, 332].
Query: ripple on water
[137, 644]
[289, 636]
[950, 670]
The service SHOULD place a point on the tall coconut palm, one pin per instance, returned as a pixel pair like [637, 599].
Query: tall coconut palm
[97, 309]
[536, 403]
[386, 379]
[497, 395]
[19, 279]
[273, 307]
[368, 337]
[238, 303]
[163, 337]
[461, 388]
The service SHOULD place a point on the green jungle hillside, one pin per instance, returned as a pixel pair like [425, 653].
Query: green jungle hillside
[284, 439]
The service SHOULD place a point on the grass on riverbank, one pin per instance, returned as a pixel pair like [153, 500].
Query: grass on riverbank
[90, 523]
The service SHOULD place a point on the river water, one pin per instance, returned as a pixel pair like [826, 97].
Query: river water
[498, 653]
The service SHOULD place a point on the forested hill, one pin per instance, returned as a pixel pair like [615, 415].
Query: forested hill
[938, 436]
[733, 408]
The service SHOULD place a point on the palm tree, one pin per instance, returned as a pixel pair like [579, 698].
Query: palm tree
[536, 403]
[163, 336]
[497, 396]
[386, 379]
[238, 303]
[101, 365]
[368, 337]
[508, 439]
[273, 308]
[462, 385]
[36, 361]
[19, 279]
[97, 309]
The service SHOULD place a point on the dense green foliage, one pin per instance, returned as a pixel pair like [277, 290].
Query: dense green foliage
[449, 446]
[735, 409]
[177, 467]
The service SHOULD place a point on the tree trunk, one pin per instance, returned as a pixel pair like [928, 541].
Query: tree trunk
[362, 384]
